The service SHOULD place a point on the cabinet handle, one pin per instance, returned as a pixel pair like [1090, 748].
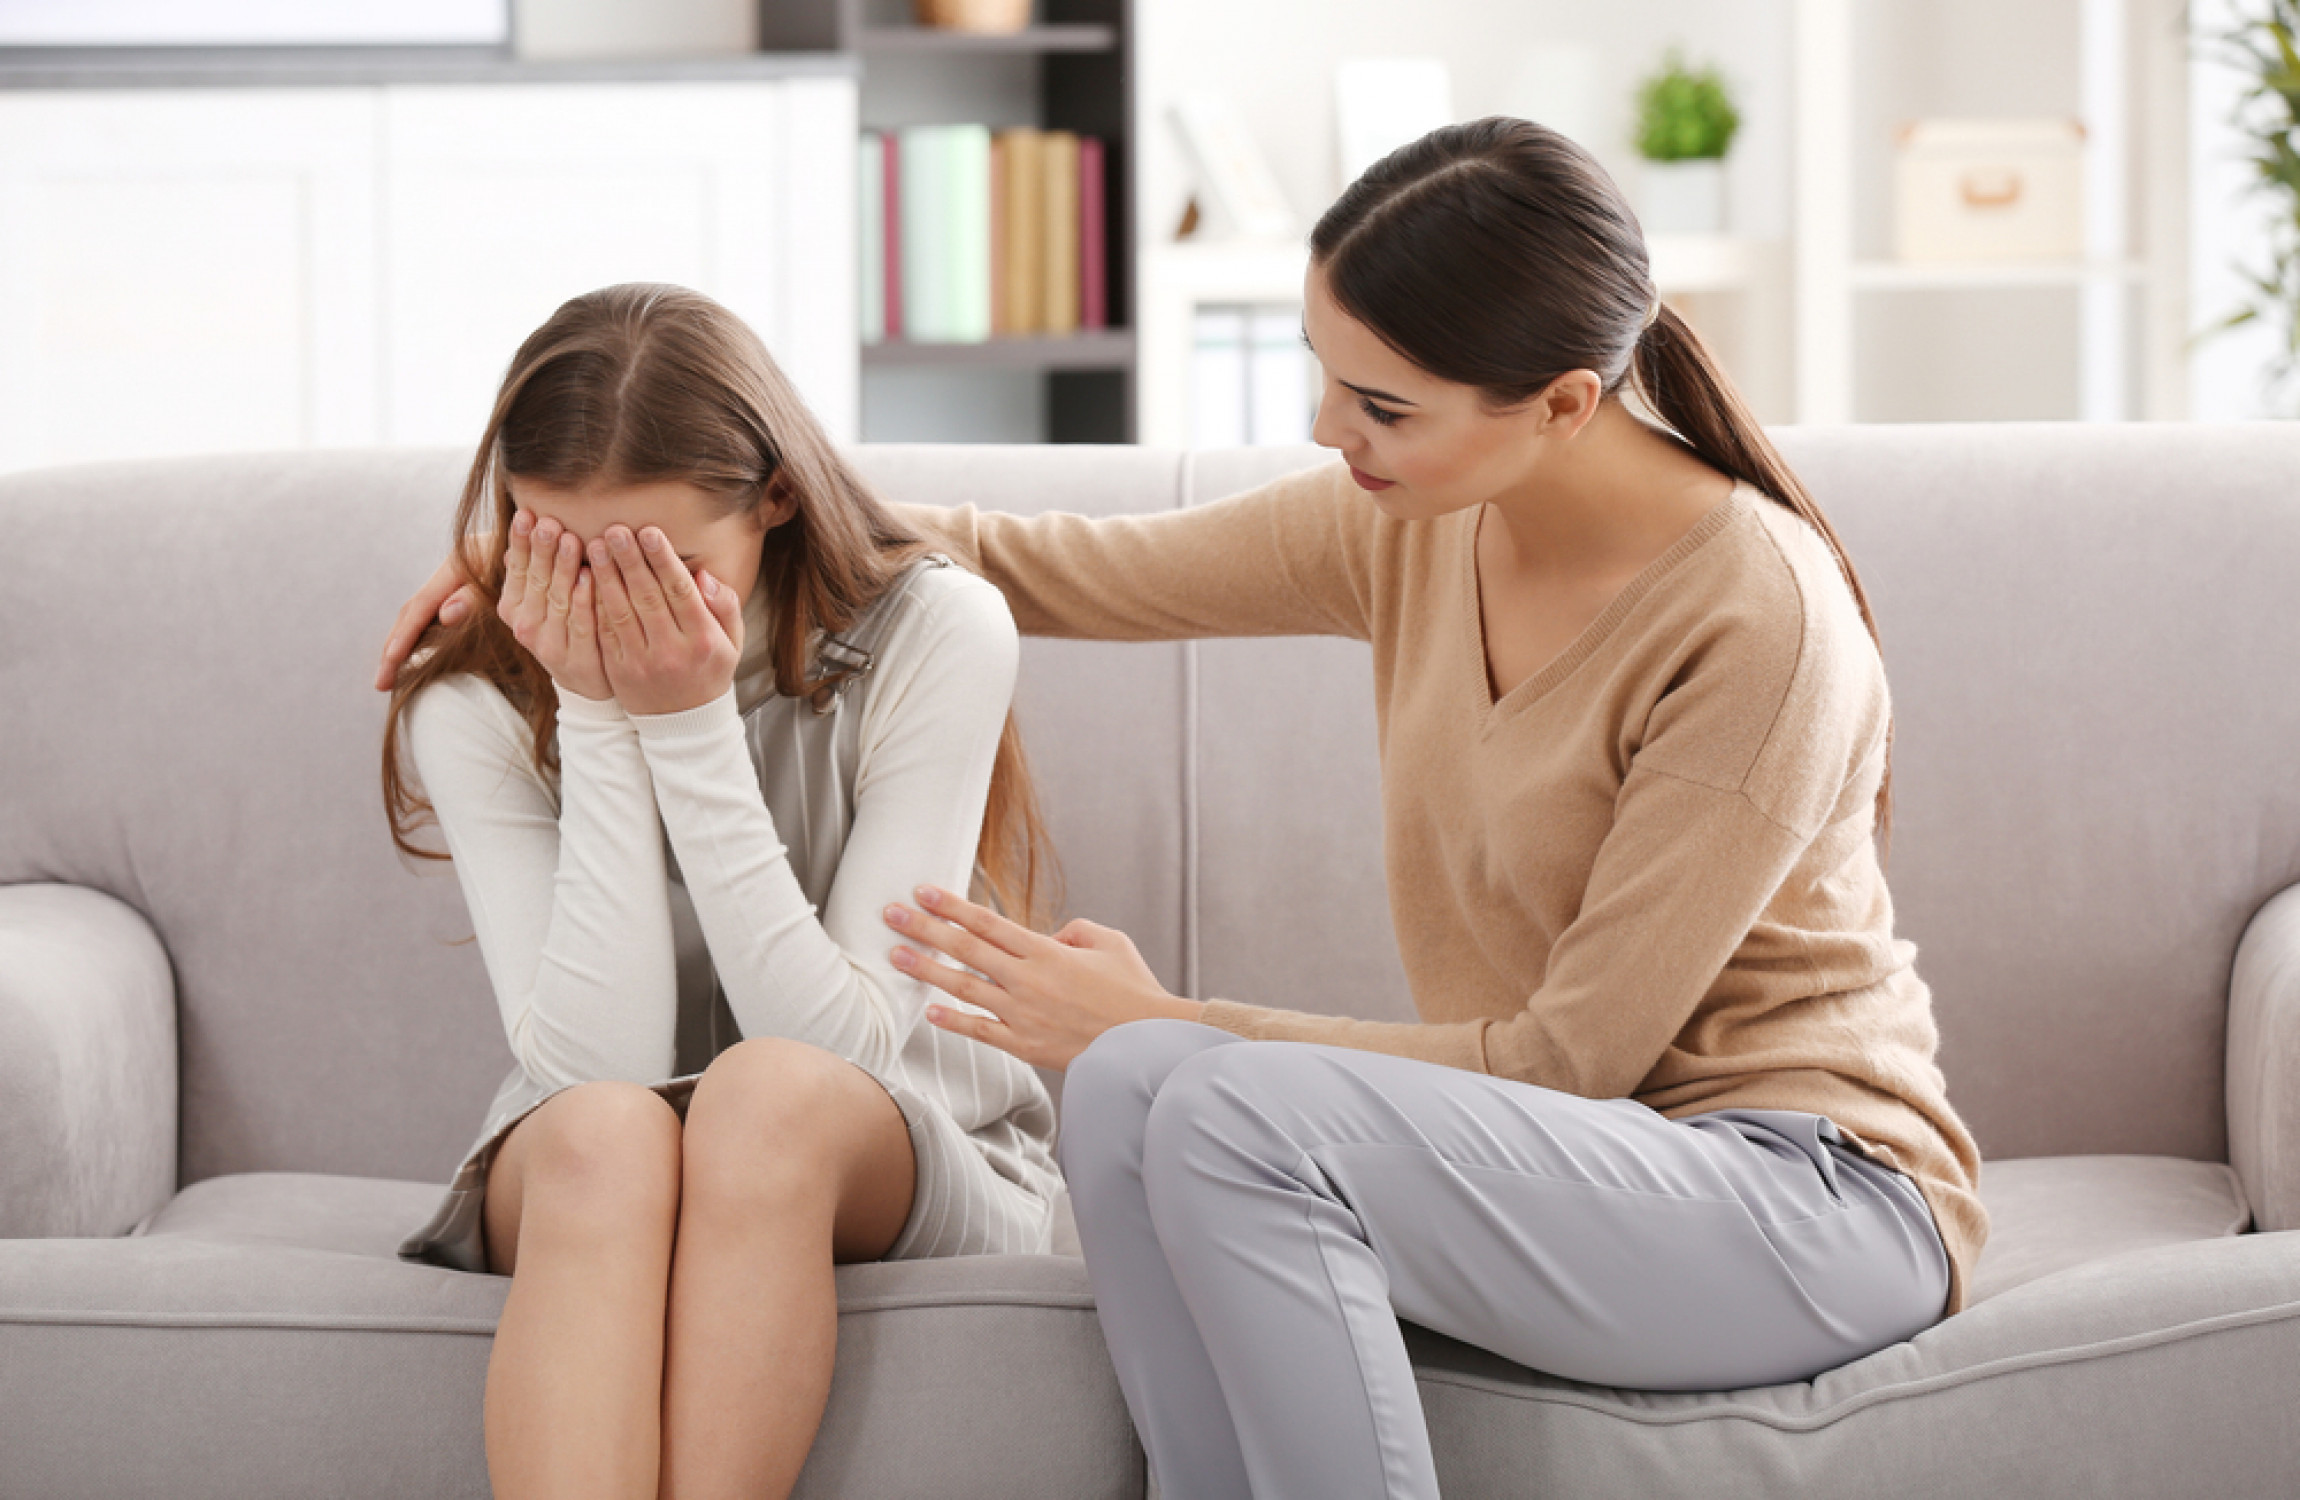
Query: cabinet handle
[1990, 192]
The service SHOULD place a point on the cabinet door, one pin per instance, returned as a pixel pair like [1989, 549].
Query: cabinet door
[502, 202]
[185, 271]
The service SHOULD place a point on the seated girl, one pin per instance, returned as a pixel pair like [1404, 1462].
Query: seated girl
[722, 710]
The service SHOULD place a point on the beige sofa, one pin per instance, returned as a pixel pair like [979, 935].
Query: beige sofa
[240, 1044]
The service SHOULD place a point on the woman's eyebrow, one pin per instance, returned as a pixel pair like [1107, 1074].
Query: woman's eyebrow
[1367, 391]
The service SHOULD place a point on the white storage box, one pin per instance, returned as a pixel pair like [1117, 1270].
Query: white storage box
[1989, 190]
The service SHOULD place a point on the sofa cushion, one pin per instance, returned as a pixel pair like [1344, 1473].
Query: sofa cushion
[347, 1371]
[2166, 1371]
[2049, 1213]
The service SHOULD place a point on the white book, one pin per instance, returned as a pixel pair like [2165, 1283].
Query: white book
[1218, 388]
[1279, 399]
[870, 193]
[925, 258]
[966, 235]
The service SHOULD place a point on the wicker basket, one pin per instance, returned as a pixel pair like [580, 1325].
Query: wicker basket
[975, 15]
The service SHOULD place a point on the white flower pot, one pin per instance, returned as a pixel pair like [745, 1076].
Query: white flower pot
[1682, 197]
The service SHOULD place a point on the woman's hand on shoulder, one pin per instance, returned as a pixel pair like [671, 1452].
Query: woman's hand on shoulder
[447, 596]
[548, 598]
[669, 639]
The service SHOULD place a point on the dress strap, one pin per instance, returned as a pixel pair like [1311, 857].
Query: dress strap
[854, 651]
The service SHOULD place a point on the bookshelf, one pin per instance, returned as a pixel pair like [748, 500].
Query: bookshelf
[2126, 288]
[1070, 70]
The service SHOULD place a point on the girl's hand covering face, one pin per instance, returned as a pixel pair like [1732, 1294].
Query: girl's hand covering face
[669, 640]
[1048, 997]
[547, 602]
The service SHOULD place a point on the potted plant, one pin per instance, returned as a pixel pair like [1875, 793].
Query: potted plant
[2262, 47]
[1685, 123]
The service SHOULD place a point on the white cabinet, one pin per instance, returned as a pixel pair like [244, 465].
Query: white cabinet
[186, 270]
[189, 270]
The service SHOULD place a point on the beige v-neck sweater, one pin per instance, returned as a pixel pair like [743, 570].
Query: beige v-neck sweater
[1648, 870]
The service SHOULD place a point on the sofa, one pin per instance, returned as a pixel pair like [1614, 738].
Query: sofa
[242, 1041]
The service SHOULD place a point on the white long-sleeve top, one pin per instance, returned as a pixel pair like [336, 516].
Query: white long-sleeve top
[568, 888]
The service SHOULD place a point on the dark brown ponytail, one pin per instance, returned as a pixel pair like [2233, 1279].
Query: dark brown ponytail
[1498, 254]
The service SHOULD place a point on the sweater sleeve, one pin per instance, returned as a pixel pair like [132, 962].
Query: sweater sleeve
[567, 894]
[932, 723]
[1290, 557]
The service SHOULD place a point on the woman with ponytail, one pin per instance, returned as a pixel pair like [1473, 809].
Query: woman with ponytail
[722, 708]
[1670, 1117]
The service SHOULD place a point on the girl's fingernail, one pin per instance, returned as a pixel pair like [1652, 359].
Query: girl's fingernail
[710, 585]
[523, 523]
[599, 552]
[651, 539]
[453, 610]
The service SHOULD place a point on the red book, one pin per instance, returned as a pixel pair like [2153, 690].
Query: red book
[891, 179]
[1093, 245]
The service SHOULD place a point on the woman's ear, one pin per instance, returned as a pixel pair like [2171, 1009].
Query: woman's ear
[779, 504]
[1569, 402]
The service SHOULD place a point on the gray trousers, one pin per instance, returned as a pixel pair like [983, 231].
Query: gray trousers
[1257, 1217]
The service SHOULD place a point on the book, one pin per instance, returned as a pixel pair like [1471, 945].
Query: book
[1060, 160]
[1001, 320]
[870, 197]
[1093, 237]
[965, 160]
[923, 218]
[1025, 233]
[891, 231]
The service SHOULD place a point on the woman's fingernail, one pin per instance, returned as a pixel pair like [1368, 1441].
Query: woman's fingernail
[897, 915]
[929, 896]
[936, 1013]
[904, 958]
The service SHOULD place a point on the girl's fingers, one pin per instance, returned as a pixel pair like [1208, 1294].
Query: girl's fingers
[724, 606]
[568, 563]
[681, 598]
[582, 626]
[639, 586]
[617, 629]
[515, 565]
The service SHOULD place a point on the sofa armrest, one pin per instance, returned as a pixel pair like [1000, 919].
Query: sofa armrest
[87, 1064]
[2264, 1063]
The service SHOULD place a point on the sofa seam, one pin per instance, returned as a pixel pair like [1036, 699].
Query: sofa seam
[1884, 1395]
[66, 1317]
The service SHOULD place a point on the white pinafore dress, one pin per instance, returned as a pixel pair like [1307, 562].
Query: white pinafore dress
[981, 1122]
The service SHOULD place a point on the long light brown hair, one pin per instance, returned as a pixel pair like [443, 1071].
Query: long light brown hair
[641, 383]
[1498, 254]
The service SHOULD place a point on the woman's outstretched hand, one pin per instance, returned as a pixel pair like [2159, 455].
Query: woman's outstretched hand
[547, 595]
[447, 596]
[1048, 997]
[669, 639]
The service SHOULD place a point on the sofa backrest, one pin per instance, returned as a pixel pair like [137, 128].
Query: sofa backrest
[2090, 634]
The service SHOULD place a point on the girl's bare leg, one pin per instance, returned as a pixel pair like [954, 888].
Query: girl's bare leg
[581, 1204]
[793, 1159]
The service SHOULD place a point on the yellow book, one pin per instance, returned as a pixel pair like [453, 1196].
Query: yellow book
[1025, 233]
[1059, 158]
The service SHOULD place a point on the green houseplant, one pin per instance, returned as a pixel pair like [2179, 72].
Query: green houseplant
[2262, 47]
[1685, 125]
